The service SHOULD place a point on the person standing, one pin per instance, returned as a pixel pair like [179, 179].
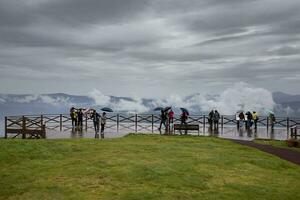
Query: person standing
[255, 119]
[216, 118]
[96, 120]
[103, 123]
[249, 120]
[241, 119]
[163, 119]
[171, 120]
[183, 119]
[80, 118]
[210, 118]
[272, 120]
[73, 116]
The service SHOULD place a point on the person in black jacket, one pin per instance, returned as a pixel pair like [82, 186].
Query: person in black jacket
[96, 120]
[249, 120]
[216, 118]
[163, 119]
[80, 118]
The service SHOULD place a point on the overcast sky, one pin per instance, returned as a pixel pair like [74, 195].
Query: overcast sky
[148, 48]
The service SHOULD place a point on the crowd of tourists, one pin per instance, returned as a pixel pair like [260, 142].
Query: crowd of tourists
[167, 119]
[99, 121]
[244, 119]
[250, 119]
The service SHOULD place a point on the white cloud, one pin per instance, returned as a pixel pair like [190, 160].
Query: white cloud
[99, 97]
[2, 100]
[130, 106]
[241, 96]
[59, 101]
[26, 99]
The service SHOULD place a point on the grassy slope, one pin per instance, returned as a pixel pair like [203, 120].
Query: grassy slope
[276, 143]
[142, 167]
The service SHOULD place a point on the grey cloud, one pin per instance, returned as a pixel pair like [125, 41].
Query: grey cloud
[285, 51]
[165, 45]
[235, 18]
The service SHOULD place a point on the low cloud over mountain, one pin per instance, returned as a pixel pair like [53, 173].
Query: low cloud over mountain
[239, 97]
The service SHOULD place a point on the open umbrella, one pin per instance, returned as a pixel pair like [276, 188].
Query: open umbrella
[158, 108]
[107, 109]
[167, 108]
[185, 110]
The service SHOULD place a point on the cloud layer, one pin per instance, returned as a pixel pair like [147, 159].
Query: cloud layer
[148, 47]
[240, 96]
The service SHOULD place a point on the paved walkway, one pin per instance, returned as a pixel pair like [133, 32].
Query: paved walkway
[286, 154]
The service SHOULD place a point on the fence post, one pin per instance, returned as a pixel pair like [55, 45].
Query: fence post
[86, 123]
[44, 131]
[118, 122]
[152, 121]
[267, 124]
[288, 124]
[23, 127]
[42, 121]
[203, 124]
[5, 128]
[60, 122]
[136, 123]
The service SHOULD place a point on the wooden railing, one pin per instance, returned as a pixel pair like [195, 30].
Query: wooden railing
[130, 122]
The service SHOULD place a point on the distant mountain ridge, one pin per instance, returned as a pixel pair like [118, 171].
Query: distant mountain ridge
[280, 97]
[18, 104]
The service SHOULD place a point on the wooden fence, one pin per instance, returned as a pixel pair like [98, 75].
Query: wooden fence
[27, 124]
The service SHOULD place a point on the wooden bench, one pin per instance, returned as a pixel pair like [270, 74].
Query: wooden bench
[294, 133]
[186, 127]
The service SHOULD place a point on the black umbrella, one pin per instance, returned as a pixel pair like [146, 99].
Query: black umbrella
[167, 108]
[107, 109]
[185, 110]
[158, 108]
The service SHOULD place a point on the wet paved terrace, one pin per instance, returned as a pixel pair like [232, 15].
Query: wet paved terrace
[118, 125]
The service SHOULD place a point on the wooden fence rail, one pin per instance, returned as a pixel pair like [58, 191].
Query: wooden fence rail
[22, 125]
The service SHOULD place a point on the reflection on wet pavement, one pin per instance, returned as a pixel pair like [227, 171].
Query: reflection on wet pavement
[113, 131]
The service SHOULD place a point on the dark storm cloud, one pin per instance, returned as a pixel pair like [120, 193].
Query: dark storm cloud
[70, 12]
[140, 42]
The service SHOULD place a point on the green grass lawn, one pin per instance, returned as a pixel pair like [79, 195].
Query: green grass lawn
[143, 167]
[276, 143]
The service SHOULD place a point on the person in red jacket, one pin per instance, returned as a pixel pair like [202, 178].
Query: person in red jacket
[171, 120]
[171, 116]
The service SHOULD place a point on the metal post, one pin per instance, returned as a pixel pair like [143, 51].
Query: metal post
[152, 120]
[288, 125]
[117, 122]
[42, 121]
[203, 124]
[136, 123]
[23, 127]
[6, 127]
[60, 122]
[267, 124]
[86, 123]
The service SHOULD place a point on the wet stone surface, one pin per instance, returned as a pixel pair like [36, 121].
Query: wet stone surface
[114, 131]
